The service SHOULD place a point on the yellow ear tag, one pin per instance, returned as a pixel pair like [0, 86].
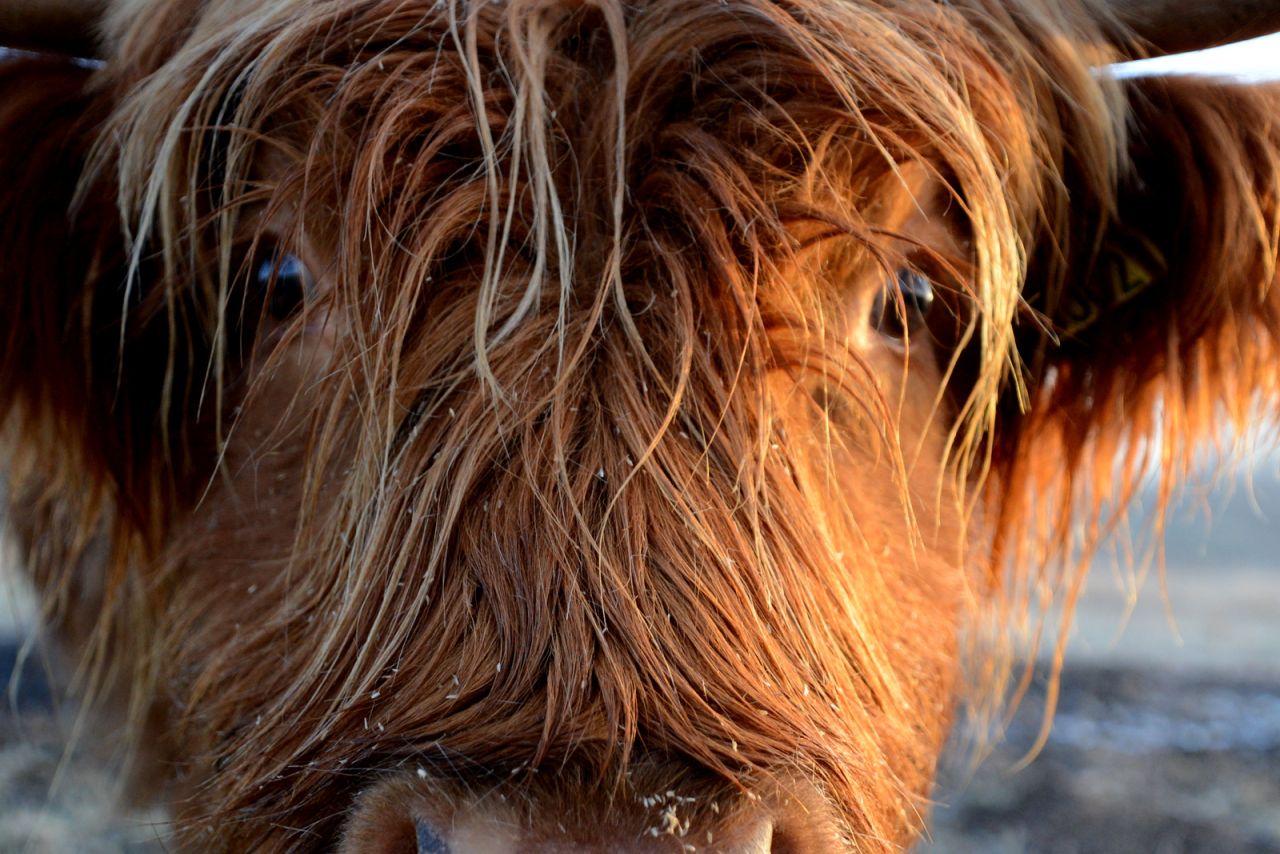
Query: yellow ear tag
[1127, 265]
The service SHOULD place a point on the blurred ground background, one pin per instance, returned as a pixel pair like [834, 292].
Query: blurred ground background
[1167, 734]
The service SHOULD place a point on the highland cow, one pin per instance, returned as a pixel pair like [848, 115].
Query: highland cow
[567, 425]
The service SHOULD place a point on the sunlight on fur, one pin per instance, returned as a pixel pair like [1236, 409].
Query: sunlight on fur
[415, 404]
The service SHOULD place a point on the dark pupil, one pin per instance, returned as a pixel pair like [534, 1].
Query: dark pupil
[287, 282]
[900, 314]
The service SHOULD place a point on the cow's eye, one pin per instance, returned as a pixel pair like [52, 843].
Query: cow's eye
[286, 282]
[902, 307]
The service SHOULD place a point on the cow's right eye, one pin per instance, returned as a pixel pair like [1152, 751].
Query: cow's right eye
[285, 281]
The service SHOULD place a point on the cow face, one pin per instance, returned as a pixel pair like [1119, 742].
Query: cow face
[577, 426]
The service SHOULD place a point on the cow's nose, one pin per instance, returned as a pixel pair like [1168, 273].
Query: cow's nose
[397, 818]
[428, 838]
[392, 820]
[481, 837]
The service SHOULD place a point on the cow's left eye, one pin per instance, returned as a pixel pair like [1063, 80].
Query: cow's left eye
[902, 307]
[286, 281]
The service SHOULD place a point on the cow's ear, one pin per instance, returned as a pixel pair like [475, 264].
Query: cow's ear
[1155, 307]
[1151, 323]
[56, 239]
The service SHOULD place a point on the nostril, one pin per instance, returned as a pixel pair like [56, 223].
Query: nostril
[394, 817]
[429, 841]
[803, 830]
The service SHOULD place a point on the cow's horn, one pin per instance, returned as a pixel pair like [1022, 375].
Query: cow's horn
[1176, 26]
[56, 26]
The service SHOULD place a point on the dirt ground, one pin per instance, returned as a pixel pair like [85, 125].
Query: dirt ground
[1137, 762]
[52, 802]
[1167, 735]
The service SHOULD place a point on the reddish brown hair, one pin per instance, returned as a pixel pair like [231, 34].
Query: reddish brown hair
[577, 461]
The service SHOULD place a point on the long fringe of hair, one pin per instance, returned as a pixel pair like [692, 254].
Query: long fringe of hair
[563, 508]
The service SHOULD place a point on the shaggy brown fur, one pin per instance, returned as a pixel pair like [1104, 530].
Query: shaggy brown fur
[582, 474]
